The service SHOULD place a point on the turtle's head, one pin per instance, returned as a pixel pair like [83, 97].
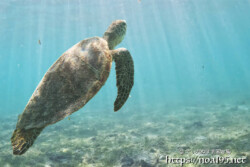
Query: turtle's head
[115, 33]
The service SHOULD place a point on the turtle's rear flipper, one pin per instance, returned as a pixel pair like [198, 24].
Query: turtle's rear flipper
[124, 75]
[22, 139]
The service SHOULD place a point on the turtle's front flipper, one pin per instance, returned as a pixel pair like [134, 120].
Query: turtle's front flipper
[22, 139]
[124, 75]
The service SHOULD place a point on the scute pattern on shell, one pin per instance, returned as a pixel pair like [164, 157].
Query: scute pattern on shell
[68, 85]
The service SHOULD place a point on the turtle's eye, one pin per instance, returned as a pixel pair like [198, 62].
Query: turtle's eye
[123, 23]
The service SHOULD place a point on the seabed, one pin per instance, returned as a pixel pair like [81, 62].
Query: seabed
[136, 137]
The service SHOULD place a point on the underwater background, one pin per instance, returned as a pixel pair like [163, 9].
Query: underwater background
[191, 90]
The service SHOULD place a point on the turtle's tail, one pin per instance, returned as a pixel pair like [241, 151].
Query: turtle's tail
[22, 139]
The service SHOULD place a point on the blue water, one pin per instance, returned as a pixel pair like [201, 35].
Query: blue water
[185, 52]
[170, 41]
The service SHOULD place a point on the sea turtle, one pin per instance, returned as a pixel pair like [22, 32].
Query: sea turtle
[72, 81]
